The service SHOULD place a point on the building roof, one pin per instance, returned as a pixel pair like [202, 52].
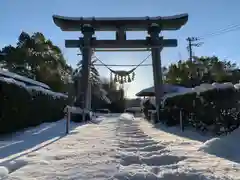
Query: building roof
[168, 88]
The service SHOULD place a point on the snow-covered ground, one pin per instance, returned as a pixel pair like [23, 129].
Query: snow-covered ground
[202, 157]
[87, 152]
[118, 147]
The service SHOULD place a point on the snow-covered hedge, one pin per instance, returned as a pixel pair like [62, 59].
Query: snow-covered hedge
[212, 107]
[22, 106]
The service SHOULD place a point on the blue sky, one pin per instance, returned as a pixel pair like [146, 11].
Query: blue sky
[205, 16]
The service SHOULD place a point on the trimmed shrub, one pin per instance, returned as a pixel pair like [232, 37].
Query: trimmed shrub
[23, 106]
[210, 109]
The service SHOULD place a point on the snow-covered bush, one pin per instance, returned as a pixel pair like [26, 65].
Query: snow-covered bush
[205, 106]
[22, 106]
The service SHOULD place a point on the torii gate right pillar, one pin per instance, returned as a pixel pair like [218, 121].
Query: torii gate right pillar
[154, 31]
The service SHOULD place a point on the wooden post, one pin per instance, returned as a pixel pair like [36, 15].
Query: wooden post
[181, 121]
[83, 115]
[68, 120]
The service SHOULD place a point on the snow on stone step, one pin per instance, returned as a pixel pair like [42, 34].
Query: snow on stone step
[151, 148]
[135, 136]
[138, 131]
[154, 160]
[137, 145]
[136, 176]
[151, 153]
[137, 140]
[138, 150]
[159, 160]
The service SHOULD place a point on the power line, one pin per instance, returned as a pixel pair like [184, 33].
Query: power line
[228, 29]
[191, 40]
[122, 65]
[135, 66]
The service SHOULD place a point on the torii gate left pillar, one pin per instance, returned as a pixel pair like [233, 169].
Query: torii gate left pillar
[86, 49]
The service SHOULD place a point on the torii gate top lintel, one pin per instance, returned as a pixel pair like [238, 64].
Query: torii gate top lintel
[114, 23]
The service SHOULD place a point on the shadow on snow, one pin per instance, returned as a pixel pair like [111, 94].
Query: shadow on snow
[187, 133]
[33, 139]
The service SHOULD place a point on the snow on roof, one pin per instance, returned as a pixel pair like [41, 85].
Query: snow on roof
[22, 78]
[46, 91]
[12, 81]
[168, 88]
[29, 88]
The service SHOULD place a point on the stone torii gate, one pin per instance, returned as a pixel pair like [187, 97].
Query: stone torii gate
[153, 42]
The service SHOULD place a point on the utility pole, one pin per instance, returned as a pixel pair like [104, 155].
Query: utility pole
[191, 43]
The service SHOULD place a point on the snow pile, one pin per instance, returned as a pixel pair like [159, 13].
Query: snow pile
[3, 172]
[226, 147]
[126, 116]
[9, 167]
